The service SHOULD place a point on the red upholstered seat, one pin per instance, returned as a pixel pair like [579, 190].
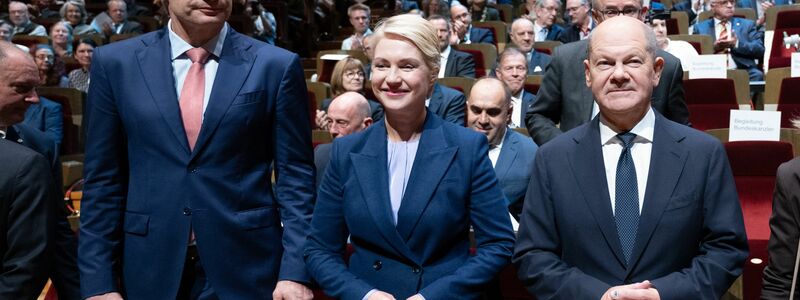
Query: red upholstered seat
[697, 46]
[672, 28]
[786, 21]
[789, 101]
[754, 164]
[532, 88]
[479, 61]
[709, 102]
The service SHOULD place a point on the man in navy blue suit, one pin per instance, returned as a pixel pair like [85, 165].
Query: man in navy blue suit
[489, 111]
[454, 63]
[523, 36]
[512, 69]
[631, 205]
[447, 103]
[738, 38]
[186, 126]
[462, 27]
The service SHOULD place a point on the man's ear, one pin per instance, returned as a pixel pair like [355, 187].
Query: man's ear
[658, 66]
[587, 72]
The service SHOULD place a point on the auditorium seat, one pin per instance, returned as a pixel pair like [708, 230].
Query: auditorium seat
[72, 102]
[704, 44]
[462, 84]
[319, 137]
[780, 19]
[546, 47]
[678, 23]
[485, 56]
[506, 13]
[710, 100]
[532, 83]
[782, 93]
[120, 37]
[29, 40]
[317, 91]
[500, 31]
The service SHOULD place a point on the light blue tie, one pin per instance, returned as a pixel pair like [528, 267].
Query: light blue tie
[626, 208]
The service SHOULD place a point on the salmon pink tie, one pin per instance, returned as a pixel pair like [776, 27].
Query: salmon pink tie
[192, 92]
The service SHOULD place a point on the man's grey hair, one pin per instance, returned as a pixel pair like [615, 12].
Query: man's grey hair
[507, 52]
[651, 44]
[519, 20]
[542, 3]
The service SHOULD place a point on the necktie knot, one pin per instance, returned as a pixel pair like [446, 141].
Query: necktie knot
[198, 55]
[627, 139]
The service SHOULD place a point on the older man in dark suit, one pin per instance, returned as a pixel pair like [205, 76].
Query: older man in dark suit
[455, 63]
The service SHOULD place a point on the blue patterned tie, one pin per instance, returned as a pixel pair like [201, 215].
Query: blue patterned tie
[626, 208]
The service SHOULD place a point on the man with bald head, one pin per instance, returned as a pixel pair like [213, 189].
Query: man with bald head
[631, 205]
[522, 35]
[489, 110]
[564, 102]
[348, 113]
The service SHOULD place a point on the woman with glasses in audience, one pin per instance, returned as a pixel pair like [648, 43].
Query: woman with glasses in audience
[348, 76]
[407, 190]
[79, 78]
[74, 13]
[51, 69]
[61, 39]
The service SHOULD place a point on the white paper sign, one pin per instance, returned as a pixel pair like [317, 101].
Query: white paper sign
[755, 125]
[795, 64]
[708, 66]
[334, 56]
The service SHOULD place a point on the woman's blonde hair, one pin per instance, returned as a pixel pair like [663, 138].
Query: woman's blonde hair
[416, 30]
[337, 77]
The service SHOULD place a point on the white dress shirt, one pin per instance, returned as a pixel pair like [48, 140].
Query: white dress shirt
[181, 62]
[347, 44]
[539, 33]
[516, 112]
[494, 152]
[443, 61]
[640, 152]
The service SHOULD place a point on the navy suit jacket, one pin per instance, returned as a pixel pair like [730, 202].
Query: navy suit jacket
[528, 100]
[145, 189]
[539, 60]
[451, 187]
[449, 104]
[555, 32]
[514, 167]
[690, 242]
[687, 7]
[46, 116]
[750, 44]
[459, 64]
[481, 35]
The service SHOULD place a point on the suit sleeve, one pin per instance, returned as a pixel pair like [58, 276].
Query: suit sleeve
[723, 250]
[54, 123]
[751, 46]
[494, 237]
[783, 226]
[325, 249]
[456, 106]
[676, 111]
[294, 166]
[537, 253]
[466, 67]
[105, 187]
[545, 113]
[24, 263]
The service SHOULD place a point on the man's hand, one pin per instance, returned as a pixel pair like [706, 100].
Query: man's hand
[460, 29]
[107, 30]
[722, 44]
[291, 290]
[106, 296]
[764, 6]
[379, 295]
[322, 120]
[416, 297]
[638, 291]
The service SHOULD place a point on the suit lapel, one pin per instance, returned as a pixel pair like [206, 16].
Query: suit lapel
[586, 163]
[508, 153]
[371, 170]
[667, 161]
[448, 69]
[436, 99]
[156, 67]
[431, 163]
[235, 63]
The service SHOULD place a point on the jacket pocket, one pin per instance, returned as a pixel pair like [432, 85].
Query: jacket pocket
[256, 218]
[136, 223]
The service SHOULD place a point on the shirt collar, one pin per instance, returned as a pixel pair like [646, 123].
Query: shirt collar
[3, 131]
[644, 129]
[502, 139]
[519, 96]
[179, 46]
[717, 21]
[446, 52]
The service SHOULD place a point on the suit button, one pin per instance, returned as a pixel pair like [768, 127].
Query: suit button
[416, 270]
[187, 211]
[193, 170]
[377, 265]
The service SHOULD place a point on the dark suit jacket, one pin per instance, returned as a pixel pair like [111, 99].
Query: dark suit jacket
[449, 104]
[131, 27]
[555, 32]
[564, 97]
[514, 167]
[750, 44]
[140, 205]
[459, 64]
[527, 101]
[572, 33]
[451, 187]
[322, 155]
[492, 14]
[540, 60]
[784, 229]
[690, 242]
[481, 35]
[25, 202]
[63, 244]
[46, 116]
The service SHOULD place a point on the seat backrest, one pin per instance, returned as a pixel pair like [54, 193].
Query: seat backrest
[29, 40]
[320, 91]
[533, 83]
[120, 37]
[506, 12]
[485, 56]
[681, 23]
[772, 15]
[772, 86]
[462, 84]
[72, 102]
[499, 29]
[704, 44]
[546, 47]
[757, 158]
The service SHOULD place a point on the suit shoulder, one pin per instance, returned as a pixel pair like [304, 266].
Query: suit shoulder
[567, 140]
[461, 133]
[449, 92]
[526, 143]
[17, 157]
[124, 49]
[571, 51]
[789, 168]
[691, 137]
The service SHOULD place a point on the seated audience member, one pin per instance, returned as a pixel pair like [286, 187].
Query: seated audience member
[581, 22]
[51, 68]
[359, 15]
[463, 29]
[347, 76]
[630, 205]
[79, 78]
[489, 110]
[482, 13]
[46, 116]
[761, 6]
[42, 9]
[739, 38]
[545, 25]
[563, 99]
[19, 16]
[784, 226]
[680, 49]
[74, 12]
[264, 21]
[512, 70]
[61, 39]
[6, 31]
[115, 20]
[447, 103]
[453, 63]
[522, 35]
[348, 113]
[435, 7]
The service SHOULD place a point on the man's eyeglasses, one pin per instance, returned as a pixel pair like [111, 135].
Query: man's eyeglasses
[628, 11]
